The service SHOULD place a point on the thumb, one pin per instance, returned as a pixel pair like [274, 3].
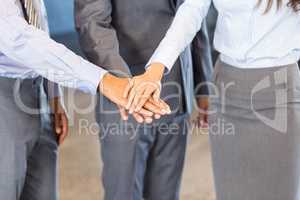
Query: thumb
[156, 95]
[123, 113]
[57, 124]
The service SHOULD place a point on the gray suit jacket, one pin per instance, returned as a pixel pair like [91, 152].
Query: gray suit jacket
[118, 34]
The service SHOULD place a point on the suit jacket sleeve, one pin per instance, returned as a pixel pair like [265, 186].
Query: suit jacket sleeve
[202, 61]
[97, 36]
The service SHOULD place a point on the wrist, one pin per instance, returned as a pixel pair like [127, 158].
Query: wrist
[106, 78]
[156, 70]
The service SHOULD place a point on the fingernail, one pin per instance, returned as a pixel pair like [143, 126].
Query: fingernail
[149, 121]
[163, 111]
[169, 111]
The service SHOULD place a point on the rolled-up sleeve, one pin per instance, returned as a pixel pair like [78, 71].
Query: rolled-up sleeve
[38, 53]
[186, 24]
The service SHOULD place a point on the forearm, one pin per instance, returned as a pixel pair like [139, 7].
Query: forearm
[202, 61]
[186, 24]
[37, 52]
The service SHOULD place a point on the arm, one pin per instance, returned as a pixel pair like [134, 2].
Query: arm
[202, 60]
[202, 70]
[98, 38]
[186, 24]
[38, 53]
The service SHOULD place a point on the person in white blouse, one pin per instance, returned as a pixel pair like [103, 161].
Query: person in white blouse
[255, 112]
[28, 155]
[26, 52]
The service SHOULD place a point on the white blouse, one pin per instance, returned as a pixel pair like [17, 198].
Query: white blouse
[245, 36]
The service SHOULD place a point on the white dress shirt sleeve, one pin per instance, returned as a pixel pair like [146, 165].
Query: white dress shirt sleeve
[36, 52]
[185, 26]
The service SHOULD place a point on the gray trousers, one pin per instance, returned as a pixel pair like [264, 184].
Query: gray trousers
[255, 138]
[141, 161]
[144, 161]
[28, 147]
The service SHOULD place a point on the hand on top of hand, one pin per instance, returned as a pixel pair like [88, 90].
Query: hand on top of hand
[142, 100]
[143, 87]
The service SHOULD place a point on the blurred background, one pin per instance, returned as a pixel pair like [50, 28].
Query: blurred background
[80, 161]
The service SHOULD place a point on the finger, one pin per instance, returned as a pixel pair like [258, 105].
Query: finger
[136, 99]
[154, 108]
[157, 103]
[123, 113]
[138, 118]
[205, 120]
[131, 97]
[146, 113]
[143, 100]
[162, 106]
[148, 120]
[65, 127]
[166, 106]
[128, 88]
[156, 94]
[157, 116]
[141, 94]
[57, 125]
[198, 121]
[65, 124]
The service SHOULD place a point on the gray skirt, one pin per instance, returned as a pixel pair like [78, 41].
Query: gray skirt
[255, 132]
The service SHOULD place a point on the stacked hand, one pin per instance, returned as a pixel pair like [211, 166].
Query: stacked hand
[120, 91]
[140, 96]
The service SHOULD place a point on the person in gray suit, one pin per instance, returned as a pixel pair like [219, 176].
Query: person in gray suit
[142, 161]
[33, 124]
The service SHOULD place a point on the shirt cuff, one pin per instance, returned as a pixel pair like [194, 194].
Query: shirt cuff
[164, 55]
[90, 79]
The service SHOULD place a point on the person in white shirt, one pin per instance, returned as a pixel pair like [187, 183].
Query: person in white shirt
[28, 155]
[255, 112]
[26, 52]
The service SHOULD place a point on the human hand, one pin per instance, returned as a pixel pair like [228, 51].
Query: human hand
[140, 118]
[113, 88]
[143, 115]
[144, 86]
[202, 109]
[60, 119]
